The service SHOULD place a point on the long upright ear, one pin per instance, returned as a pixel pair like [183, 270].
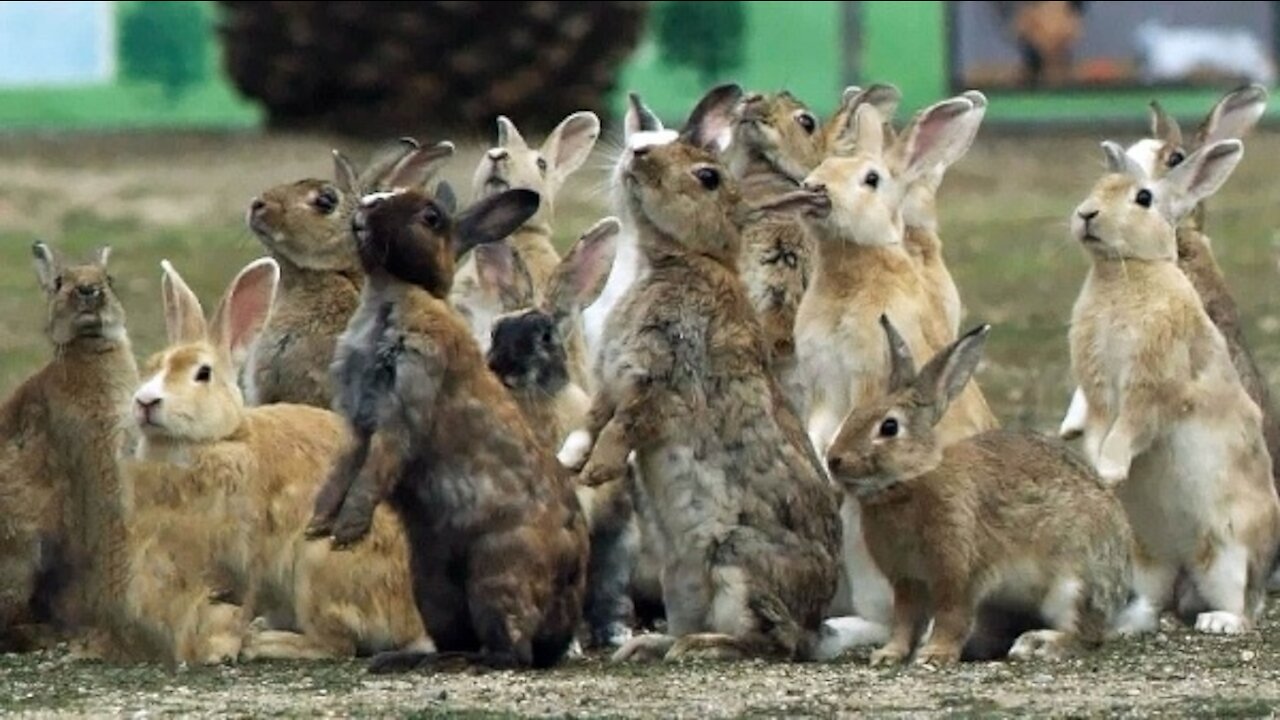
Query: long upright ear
[344, 173]
[569, 145]
[245, 308]
[944, 376]
[183, 316]
[582, 274]
[940, 131]
[1164, 127]
[902, 367]
[842, 128]
[639, 118]
[502, 273]
[1198, 177]
[493, 218]
[508, 135]
[446, 197]
[1118, 161]
[383, 162]
[47, 266]
[864, 133]
[417, 167]
[103, 256]
[1234, 115]
[710, 125]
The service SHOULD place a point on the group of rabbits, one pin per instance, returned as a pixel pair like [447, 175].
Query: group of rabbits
[744, 406]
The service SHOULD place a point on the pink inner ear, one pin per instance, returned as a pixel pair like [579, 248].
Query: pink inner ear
[247, 308]
[933, 130]
[592, 261]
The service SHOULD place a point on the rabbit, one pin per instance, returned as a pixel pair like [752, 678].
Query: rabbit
[513, 164]
[530, 354]
[305, 226]
[1169, 424]
[1232, 117]
[498, 541]
[749, 525]
[853, 201]
[255, 474]
[61, 435]
[1003, 517]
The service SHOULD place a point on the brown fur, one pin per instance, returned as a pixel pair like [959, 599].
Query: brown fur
[59, 500]
[497, 539]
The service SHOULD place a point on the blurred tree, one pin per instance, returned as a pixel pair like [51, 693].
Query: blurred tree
[165, 43]
[375, 68]
[705, 36]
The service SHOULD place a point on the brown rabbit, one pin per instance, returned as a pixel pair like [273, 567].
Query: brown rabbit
[497, 539]
[254, 474]
[1233, 117]
[306, 227]
[1169, 422]
[61, 434]
[749, 527]
[514, 164]
[1006, 517]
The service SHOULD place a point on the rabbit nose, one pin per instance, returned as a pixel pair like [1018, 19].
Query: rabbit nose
[833, 463]
[1088, 215]
[147, 403]
[496, 154]
[88, 292]
[640, 151]
[815, 187]
[754, 97]
[257, 205]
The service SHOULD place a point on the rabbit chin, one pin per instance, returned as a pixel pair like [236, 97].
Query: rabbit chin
[869, 487]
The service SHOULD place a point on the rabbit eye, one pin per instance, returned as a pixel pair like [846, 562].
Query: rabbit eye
[790, 259]
[1175, 158]
[872, 180]
[326, 201]
[431, 218]
[57, 283]
[889, 428]
[547, 337]
[204, 374]
[542, 165]
[709, 178]
[807, 122]
[1143, 198]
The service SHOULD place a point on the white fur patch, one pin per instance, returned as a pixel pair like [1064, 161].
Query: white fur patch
[376, 197]
[1059, 605]
[151, 391]
[1146, 153]
[1077, 416]
[575, 448]
[1221, 623]
[650, 138]
[840, 634]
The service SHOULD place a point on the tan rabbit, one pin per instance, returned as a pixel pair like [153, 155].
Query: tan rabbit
[256, 473]
[61, 434]
[749, 525]
[498, 542]
[1231, 118]
[1003, 517]
[513, 164]
[306, 227]
[1169, 422]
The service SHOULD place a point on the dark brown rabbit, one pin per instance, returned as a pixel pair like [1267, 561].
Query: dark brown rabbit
[498, 543]
[750, 533]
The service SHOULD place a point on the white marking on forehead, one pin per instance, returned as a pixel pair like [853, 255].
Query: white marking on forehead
[649, 138]
[376, 197]
[1146, 153]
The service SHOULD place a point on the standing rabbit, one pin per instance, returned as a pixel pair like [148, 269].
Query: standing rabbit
[1169, 423]
[513, 164]
[253, 474]
[1002, 517]
[61, 434]
[306, 227]
[498, 543]
[748, 523]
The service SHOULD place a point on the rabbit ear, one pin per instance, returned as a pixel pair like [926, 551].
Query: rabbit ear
[883, 97]
[1164, 127]
[245, 308]
[710, 124]
[568, 146]
[344, 174]
[939, 133]
[103, 257]
[417, 167]
[1198, 177]
[446, 197]
[943, 377]
[1118, 161]
[47, 265]
[639, 118]
[383, 162]
[508, 135]
[501, 272]
[493, 218]
[902, 367]
[183, 316]
[1233, 116]
[581, 276]
[863, 133]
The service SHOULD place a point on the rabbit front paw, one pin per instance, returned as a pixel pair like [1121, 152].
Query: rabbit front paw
[891, 654]
[576, 449]
[938, 655]
[352, 525]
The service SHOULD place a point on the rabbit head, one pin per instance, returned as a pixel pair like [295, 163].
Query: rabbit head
[82, 302]
[892, 440]
[514, 164]
[779, 130]
[690, 199]
[1231, 118]
[1130, 215]
[307, 224]
[189, 391]
[530, 347]
[417, 238]
[858, 193]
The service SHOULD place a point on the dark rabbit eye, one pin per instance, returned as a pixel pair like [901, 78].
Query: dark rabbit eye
[807, 122]
[326, 201]
[1175, 158]
[872, 180]
[790, 259]
[542, 165]
[57, 283]
[889, 428]
[547, 337]
[709, 178]
[204, 374]
[431, 218]
[1143, 198]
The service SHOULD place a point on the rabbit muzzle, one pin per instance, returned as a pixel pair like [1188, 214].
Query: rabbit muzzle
[1081, 226]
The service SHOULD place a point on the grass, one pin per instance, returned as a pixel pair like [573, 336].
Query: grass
[1004, 210]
